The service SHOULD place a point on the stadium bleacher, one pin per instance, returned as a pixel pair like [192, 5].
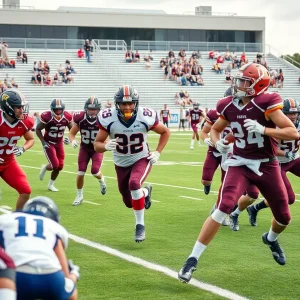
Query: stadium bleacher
[109, 70]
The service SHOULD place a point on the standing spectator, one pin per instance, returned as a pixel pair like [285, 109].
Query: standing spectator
[24, 58]
[182, 118]
[87, 48]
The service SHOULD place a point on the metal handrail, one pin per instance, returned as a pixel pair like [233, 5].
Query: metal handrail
[208, 13]
[10, 6]
[191, 46]
[279, 54]
[111, 44]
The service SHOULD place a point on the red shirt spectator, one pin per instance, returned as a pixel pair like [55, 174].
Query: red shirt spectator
[220, 59]
[80, 53]
[243, 57]
[211, 54]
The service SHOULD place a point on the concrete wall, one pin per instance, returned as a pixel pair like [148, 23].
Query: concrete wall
[62, 18]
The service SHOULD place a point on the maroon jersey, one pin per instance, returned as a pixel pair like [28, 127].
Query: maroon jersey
[251, 145]
[165, 114]
[11, 133]
[88, 129]
[55, 128]
[211, 118]
[195, 116]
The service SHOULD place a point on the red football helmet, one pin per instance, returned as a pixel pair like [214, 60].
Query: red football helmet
[253, 79]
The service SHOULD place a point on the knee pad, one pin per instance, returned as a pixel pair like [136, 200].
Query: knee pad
[60, 167]
[284, 220]
[24, 189]
[218, 216]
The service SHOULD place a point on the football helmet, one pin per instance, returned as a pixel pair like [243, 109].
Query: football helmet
[229, 92]
[44, 206]
[92, 103]
[251, 80]
[56, 105]
[126, 94]
[196, 105]
[291, 106]
[11, 98]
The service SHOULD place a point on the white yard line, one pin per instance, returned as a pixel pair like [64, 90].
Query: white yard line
[190, 198]
[154, 200]
[90, 202]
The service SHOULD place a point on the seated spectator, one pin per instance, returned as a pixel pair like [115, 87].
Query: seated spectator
[24, 58]
[216, 54]
[39, 78]
[171, 54]
[80, 53]
[211, 54]
[19, 55]
[181, 94]
[150, 55]
[2, 89]
[56, 79]
[148, 64]
[243, 57]
[70, 78]
[33, 77]
[182, 54]
[61, 70]
[199, 54]
[48, 80]
[128, 57]
[183, 80]
[40, 66]
[199, 80]
[11, 63]
[218, 68]
[220, 59]
[236, 63]
[13, 83]
[228, 77]
[280, 79]
[46, 68]
[35, 66]
[227, 55]
[69, 68]
[195, 55]
[137, 56]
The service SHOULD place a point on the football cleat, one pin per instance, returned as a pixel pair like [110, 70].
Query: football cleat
[52, 188]
[234, 222]
[103, 187]
[43, 172]
[185, 273]
[277, 251]
[192, 147]
[148, 198]
[78, 200]
[206, 189]
[252, 212]
[139, 233]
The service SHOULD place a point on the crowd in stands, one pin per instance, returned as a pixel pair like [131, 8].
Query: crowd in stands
[131, 57]
[7, 83]
[22, 56]
[41, 74]
[185, 71]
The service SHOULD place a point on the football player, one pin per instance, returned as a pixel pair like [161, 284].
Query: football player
[14, 124]
[7, 277]
[256, 119]
[127, 125]
[54, 122]
[165, 115]
[36, 242]
[289, 159]
[85, 123]
[195, 117]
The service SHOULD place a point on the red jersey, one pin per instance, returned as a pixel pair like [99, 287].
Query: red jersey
[88, 129]
[165, 114]
[251, 145]
[11, 133]
[55, 129]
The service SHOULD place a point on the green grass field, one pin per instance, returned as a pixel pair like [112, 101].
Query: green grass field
[236, 261]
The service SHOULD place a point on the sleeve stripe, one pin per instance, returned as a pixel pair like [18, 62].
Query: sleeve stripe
[279, 106]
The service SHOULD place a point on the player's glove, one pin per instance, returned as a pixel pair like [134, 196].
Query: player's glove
[208, 142]
[17, 151]
[66, 141]
[74, 269]
[254, 127]
[154, 157]
[1, 160]
[222, 146]
[75, 144]
[111, 145]
[290, 155]
[45, 145]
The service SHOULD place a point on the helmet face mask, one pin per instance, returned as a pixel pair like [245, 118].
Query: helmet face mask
[11, 101]
[196, 106]
[92, 107]
[57, 108]
[127, 102]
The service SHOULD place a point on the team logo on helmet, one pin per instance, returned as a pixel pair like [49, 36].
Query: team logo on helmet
[5, 97]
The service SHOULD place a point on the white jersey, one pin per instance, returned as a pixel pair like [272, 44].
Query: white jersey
[289, 146]
[132, 136]
[30, 239]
